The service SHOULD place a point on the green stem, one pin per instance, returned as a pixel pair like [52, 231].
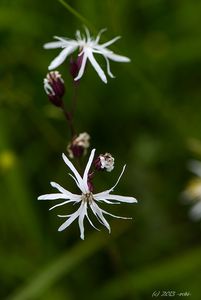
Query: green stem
[78, 15]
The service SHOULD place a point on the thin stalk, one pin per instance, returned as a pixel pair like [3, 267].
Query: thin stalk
[74, 99]
[69, 120]
[78, 15]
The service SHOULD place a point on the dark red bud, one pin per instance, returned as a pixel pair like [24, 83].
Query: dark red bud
[97, 164]
[89, 181]
[75, 66]
[54, 88]
[77, 151]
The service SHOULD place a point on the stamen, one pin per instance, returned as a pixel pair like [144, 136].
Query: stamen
[87, 198]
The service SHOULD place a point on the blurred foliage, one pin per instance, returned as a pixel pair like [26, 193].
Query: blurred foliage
[148, 117]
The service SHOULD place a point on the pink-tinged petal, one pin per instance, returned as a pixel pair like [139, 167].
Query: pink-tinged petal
[98, 213]
[53, 197]
[83, 65]
[88, 166]
[75, 172]
[61, 57]
[96, 66]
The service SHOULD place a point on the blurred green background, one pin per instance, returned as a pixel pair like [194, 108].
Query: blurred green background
[148, 117]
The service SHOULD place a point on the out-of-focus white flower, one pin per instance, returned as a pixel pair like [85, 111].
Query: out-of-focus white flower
[104, 162]
[193, 190]
[86, 198]
[79, 145]
[87, 47]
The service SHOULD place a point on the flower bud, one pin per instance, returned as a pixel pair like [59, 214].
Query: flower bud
[78, 146]
[75, 66]
[54, 87]
[104, 162]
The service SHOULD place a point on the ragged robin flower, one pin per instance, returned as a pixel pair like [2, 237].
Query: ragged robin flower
[87, 46]
[86, 198]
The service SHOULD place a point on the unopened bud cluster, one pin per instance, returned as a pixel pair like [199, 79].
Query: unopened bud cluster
[54, 87]
[104, 162]
[79, 145]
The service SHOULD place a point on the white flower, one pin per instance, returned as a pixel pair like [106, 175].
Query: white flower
[85, 199]
[87, 46]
